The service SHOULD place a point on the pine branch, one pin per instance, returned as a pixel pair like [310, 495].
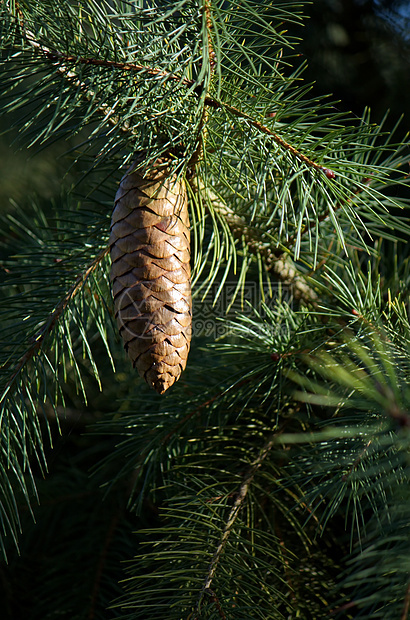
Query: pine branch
[297, 154]
[286, 273]
[358, 460]
[55, 55]
[52, 55]
[177, 429]
[208, 21]
[230, 522]
[203, 91]
[41, 335]
[213, 599]
[261, 182]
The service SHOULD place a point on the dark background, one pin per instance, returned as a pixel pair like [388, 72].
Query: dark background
[359, 50]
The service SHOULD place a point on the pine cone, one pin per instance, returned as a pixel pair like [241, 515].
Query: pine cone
[151, 273]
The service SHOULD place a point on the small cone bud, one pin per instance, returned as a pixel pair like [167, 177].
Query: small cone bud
[151, 274]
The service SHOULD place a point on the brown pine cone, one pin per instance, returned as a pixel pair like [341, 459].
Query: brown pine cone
[151, 273]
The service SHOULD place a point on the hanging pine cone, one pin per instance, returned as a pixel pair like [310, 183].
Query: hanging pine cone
[151, 273]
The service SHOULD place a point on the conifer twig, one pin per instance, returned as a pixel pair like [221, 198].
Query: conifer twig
[53, 55]
[199, 408]
[39, 337]
[211, 61]
[358, 460]
[72, 77]
[214, 599]
[276, 137]
[233, 514]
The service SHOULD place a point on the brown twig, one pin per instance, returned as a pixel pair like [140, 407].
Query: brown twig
[106, 110]
[344, 607]
[232, 516]
[200, 138]
[211, 51]
[285, 561]
[55, 55]
[357, 461]
[276, 138]
[275, 356]
[214, 599]
[39, 338]
[187, 417]
[197, 410]
[406, 608]
[369, 323]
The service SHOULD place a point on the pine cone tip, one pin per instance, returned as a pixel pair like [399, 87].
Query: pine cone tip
[160, 385]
